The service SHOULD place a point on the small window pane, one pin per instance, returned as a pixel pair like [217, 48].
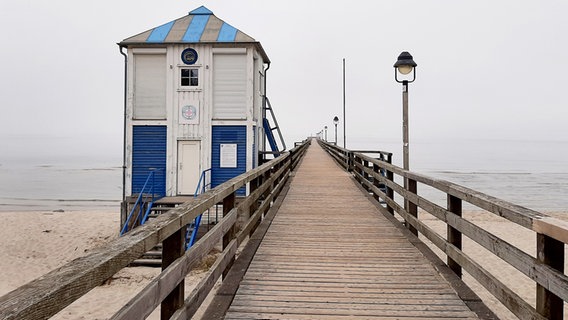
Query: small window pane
[189, 77]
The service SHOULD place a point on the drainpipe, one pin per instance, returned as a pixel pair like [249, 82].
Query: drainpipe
[264, 112]
[124, 128]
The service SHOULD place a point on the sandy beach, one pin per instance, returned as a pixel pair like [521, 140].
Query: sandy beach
[34, 243]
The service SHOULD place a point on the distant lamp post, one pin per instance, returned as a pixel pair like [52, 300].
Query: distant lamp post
[335, 122]
[405, 65]
[325, 128]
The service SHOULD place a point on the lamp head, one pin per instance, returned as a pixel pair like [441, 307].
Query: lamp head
[335, 120]
[405, 64]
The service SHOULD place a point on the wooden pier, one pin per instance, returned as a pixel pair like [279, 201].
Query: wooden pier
[330, 254]
[320, 237]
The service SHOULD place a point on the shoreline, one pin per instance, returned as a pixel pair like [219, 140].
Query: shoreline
[53, 205]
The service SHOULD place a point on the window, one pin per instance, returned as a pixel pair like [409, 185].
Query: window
[189, 77]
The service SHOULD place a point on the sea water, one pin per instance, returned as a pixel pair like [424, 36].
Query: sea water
[61, 183]
[533, 174]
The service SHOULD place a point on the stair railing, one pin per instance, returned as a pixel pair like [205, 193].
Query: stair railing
[202, 187]
[270, 136]
[142, 205]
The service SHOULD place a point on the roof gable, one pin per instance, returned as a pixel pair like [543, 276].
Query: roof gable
[200, 25]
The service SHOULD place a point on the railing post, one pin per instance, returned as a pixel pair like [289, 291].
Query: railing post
[173, 248]
[549, 252]
[454, 236]
[376, 182]
[228, 205]
[350, 164]
[291, 157]
[365, 174]
[266, 193]
[357, 160]
[390, 177]
[254, 184]
[390, 191]
[412, 208]
[272, 172]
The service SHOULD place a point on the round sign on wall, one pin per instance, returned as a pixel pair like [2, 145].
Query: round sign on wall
[189, 112]
[189, 56]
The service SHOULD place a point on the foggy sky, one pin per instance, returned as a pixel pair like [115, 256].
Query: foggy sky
[486, 69]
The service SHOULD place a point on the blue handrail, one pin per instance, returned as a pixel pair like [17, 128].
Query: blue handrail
[202, 186]
[141, 204]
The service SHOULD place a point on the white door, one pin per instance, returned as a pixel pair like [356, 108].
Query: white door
[189, 155]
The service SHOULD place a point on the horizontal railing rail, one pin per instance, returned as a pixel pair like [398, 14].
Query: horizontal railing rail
[545, 269]
[47, 295]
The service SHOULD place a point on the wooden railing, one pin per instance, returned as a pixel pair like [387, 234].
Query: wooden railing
[546, 269]
[47, 295]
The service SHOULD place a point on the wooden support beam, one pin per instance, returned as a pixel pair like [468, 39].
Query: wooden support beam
[390, 191]
[376, 182]
[365, 174]
[454, 236]
[549, 252]
[173, 248]
[412, 207]
[254, 205]
[228, 205]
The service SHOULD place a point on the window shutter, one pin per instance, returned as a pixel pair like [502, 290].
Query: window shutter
[229, 86]
[149, 86]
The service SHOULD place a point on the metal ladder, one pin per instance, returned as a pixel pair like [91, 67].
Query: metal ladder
[270, 130]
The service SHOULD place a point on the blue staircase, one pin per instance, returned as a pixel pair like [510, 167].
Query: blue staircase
[140, 212]
[269, 131]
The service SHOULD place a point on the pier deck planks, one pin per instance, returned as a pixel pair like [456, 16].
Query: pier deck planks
[329, 254]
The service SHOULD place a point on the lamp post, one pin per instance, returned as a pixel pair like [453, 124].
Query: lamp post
[325, 128]
[344, 119]
[335, 122]
[405, 65]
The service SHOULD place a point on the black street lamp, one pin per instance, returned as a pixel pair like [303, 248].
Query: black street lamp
[325, 128]
[405, 65]
[335, 122]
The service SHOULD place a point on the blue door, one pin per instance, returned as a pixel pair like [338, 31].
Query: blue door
[234, 164]
[149, 154]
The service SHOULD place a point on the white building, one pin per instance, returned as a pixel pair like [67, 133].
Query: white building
[193, 102]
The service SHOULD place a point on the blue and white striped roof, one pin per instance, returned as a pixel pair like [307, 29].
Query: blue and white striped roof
[199, 26]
